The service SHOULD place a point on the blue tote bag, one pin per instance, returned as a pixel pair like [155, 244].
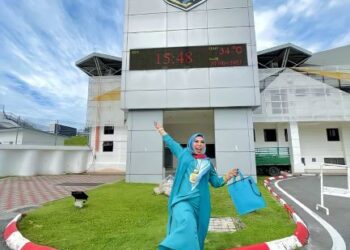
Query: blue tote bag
[245, 194]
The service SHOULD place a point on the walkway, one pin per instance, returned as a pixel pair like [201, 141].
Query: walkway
[22, 193]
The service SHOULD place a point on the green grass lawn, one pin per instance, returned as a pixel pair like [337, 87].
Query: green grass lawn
[130, 216]
[76, 141]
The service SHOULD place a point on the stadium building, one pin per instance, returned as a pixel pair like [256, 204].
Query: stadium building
[195, 68]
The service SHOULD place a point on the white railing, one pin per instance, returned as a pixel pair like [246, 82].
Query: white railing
[325, 190]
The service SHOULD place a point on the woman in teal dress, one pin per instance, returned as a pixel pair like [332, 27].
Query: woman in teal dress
[189, 201]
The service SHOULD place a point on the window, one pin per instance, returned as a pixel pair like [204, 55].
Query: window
[109, 130]
[313, 160]
[108, 146]
[338, 161]
[285, 134]
[210, 150]
[168, 158]
[254, 134]
[303, 160]
[333, 134]
[270, 135]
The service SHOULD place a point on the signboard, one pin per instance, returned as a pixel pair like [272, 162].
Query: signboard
[228, 55]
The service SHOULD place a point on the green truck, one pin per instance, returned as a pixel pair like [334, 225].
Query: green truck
[271, 160]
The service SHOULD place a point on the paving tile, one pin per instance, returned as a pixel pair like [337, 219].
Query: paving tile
[16, 192]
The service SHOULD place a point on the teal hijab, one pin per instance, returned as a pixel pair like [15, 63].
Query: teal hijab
[191, 141]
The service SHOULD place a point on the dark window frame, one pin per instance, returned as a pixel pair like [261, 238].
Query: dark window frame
[108, 130]
[334, 160]
[285, 135]
[270, 137]
[107, 146]
[333, 134]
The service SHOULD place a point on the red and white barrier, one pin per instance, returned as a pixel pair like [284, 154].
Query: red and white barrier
[15, 240]
[301, 233]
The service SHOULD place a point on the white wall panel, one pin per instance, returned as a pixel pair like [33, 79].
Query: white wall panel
[187, 79]
[150, 22]
[221, 97]
[143, 141]
[223, 4]
[198, 37]
[228, 18]
[177, 20]
[188, 98]
[197, 19]
[145, 7]
[145, 99]
[238, 118]
[145, 163]
[233, 140]
[20, 160]
[146, 40]
[229, 35]
[143, 120]
[145, 80]
[231, 77]
[251, 16]
[176, 38]
[229, 160]
[125, 62]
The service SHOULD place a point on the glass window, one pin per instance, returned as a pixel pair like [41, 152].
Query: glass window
[270, 135]
[108, 146]
[109, 130]
[285, 134]
[333, 134]
[338, 161]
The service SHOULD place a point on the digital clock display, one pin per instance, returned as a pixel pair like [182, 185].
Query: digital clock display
[228, 55]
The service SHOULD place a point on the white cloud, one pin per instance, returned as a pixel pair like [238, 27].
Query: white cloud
[41, 43]
[341, 40]
[307, 23]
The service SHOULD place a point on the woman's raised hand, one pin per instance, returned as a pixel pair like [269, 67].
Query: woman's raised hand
[160, 128]
[157, 125]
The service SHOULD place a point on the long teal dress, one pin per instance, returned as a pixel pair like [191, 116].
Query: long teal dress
[189, 203]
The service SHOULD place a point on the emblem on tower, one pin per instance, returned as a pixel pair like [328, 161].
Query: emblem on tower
[185, 4]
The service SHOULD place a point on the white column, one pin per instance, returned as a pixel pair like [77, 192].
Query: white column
[144, 162]
[295, 151]
[234, 140]
[345, 138]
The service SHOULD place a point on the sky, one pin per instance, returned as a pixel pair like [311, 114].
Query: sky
[40, 41]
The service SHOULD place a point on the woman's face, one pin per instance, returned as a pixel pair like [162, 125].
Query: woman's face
[198, 145]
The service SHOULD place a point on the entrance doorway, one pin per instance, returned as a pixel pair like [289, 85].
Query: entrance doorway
[181, 124]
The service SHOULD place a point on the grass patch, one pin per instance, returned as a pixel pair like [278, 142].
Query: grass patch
[76, 141]
[129, 216]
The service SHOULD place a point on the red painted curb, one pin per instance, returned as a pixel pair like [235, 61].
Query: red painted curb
[261, 246]
[10, 228]
[16, 241]
[302, 233]
[32, 246]
[289, 209]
